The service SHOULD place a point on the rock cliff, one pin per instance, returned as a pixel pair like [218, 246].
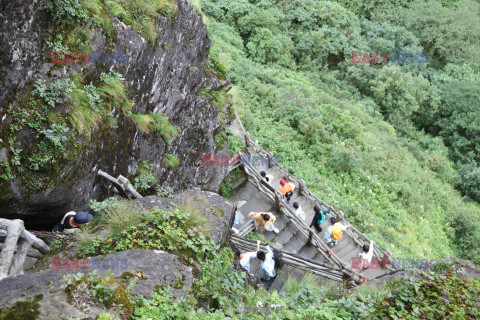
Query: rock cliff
[163, 77]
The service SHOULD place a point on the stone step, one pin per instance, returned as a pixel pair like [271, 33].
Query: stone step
[290, 227]
[283, 237]
[308, 251]
[372, 273]
[294, 245]
[319, 257]
[280, 223]
[341, 244]
[279, 282]
[354, 253]
[348, 251]
[269, 235]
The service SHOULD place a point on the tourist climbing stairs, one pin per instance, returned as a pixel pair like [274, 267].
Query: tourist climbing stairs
[295, 240]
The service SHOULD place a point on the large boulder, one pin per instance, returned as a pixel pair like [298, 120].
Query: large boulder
[219, 211]
[160, 80]
[154, 269]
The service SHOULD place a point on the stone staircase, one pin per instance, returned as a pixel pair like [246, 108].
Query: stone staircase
[295, 237]
[289, 239]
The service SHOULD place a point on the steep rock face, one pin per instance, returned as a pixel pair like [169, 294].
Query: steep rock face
[161, 79]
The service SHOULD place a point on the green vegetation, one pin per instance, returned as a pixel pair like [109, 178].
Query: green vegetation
[469, 180]
[381, 141]
[108, 291]
[171, 160]
[234, 144]
[141, 15]
[71, 20]
[165, 192]
[144, 179]
[23, 310]
[225, 189]
[63, 11]
[181, 231]
[420, 296]
[63, 114]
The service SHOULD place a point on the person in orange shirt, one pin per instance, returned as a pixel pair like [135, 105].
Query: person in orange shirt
[265, 220]
[286, 189]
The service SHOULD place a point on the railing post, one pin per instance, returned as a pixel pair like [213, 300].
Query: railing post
[301, 186]
[247, 139]
[14, 229]
[18, 260]
[278, 196]
[269, 157]
[310, 236]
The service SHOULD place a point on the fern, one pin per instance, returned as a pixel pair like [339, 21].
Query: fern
[113, 90]
[166, 129]
[171, 160]
[144, 122]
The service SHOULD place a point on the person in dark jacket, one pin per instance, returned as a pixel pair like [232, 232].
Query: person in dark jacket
[318, 218]
[72, 221]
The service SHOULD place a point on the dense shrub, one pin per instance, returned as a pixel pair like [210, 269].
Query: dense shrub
[449, 34]
[67, 12]
[469, 180]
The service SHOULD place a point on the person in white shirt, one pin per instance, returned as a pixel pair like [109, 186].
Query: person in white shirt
[268, 264]
[268, 178]
[245, 259]
[367, 255]
[298, 211]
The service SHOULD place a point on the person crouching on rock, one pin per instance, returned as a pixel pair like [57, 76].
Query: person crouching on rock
[265, 220]
[72, 221]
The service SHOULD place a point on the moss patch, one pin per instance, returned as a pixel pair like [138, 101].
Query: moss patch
[23, 310]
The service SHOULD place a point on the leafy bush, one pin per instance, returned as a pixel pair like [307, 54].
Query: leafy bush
[265, 47]
[467, 234]
[141, 14]
[67, 12]
[54, 92]
[181, 230]
[104, 289]
[144, 179]
[104, 207]
[469, 180]
[400, 93]
[165, 192]
[431, 297]
[450, 37]
[342, 160]
[459, 120]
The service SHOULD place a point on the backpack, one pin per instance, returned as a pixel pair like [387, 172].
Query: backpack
[60, 227]
[337, 232]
